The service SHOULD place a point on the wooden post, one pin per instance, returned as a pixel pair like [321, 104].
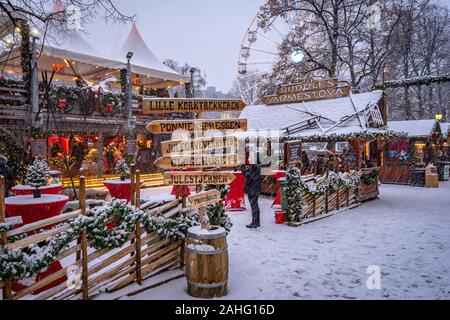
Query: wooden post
[337, 198]
[314, 206]
[347, 196]
[177, 192]
[326, 202]
[138, 243]
[358, 158]
[183, 196]
[7, 293]
[133, 185]
[100, 155]
[84, 254]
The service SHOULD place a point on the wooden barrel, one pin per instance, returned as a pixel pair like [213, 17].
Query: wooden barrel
[207, 262]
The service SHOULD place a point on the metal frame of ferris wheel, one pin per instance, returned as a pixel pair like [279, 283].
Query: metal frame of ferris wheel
[250, 37]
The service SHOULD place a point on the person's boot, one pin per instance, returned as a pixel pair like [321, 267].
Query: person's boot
[250, 226]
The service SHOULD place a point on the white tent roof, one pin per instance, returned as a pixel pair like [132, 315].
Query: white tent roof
[414, 128]
[335, 115]
[94, 66]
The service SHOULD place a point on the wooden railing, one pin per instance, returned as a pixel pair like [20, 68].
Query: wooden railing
[144, 255]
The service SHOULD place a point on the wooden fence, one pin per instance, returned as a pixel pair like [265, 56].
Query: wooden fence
[319, 207]
[144, 255]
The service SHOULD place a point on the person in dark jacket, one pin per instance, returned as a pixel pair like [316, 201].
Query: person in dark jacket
[6, 172]
[253, 181]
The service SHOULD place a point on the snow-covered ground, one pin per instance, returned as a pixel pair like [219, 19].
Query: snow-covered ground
[406, 233]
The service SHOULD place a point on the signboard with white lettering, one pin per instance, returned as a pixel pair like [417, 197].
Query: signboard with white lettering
[203, 199]
[169, 126]
[155, 106]
[198, 161]
[175, 147]
[322, 94]
[198, 177]
[307, 86]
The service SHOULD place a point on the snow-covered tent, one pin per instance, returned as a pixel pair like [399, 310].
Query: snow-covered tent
[71, 55]
[145, 63]
[414, 128]
[353, 114]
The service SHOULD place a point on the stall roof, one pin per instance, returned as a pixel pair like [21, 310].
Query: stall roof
[94, 66]
[445, 127]
[414, 128]
[335, 116]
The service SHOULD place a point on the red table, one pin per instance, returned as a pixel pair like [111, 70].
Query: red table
[119, 189]
[32, 210]
[22, 190]
[35, 209]
[235, 200]
[278, 175]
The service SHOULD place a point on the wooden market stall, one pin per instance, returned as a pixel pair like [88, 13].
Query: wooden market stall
[404, 160]
[325, 128]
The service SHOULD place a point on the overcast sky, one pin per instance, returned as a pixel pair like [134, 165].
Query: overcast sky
[204, 33]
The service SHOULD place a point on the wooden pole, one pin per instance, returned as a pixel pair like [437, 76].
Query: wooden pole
[100, 155]
[84, 254]
[138, 243]
[7, 293]
[358, 158]
[326, 202]
[314, 206]
[347, 196]
[133, 185]
[337, 198]
[183, 197]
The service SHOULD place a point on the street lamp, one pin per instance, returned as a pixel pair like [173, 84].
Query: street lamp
[192, 71]
[438, 117]
[129, 92]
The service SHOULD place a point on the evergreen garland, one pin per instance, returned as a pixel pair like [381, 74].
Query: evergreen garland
[370, 178]
[21, 263]
[295, 187]
[364, 135]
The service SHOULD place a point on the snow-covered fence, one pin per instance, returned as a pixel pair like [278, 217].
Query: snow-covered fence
[78, 266]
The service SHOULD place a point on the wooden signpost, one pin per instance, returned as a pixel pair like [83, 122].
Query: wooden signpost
[170, 105]
[169, 126]
[175, 147]
[200, 201]
[308, 91]
[198, 161]
[179, 178]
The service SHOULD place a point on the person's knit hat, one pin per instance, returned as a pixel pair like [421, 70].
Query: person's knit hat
[3, 157]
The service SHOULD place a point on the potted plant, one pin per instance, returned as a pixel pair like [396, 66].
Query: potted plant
[123, 169]
[37, 176]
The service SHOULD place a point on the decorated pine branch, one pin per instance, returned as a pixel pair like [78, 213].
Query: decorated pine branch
[217, 213]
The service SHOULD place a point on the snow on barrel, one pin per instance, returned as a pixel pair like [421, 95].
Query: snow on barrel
[207, 262]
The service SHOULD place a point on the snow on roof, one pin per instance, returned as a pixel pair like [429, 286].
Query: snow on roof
[445, 128]
[331, 111]
[414, 128]
[142, 55]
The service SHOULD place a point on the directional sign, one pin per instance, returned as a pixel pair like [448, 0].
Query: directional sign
[169, 126]
[155, 106]
[204, 199]
[198, 161]
[170, 148]
[322, 94]
[198, 177]
[307, 86]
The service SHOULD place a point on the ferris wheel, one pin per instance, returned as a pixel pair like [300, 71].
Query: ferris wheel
[277, 49]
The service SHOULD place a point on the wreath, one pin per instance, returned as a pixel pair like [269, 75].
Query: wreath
[63, 99]
[110, 105]
[125, 217]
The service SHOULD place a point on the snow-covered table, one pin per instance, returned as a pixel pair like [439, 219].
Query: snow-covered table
[119, 189]
[35, 209]
[21, 190]
[32, 210]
